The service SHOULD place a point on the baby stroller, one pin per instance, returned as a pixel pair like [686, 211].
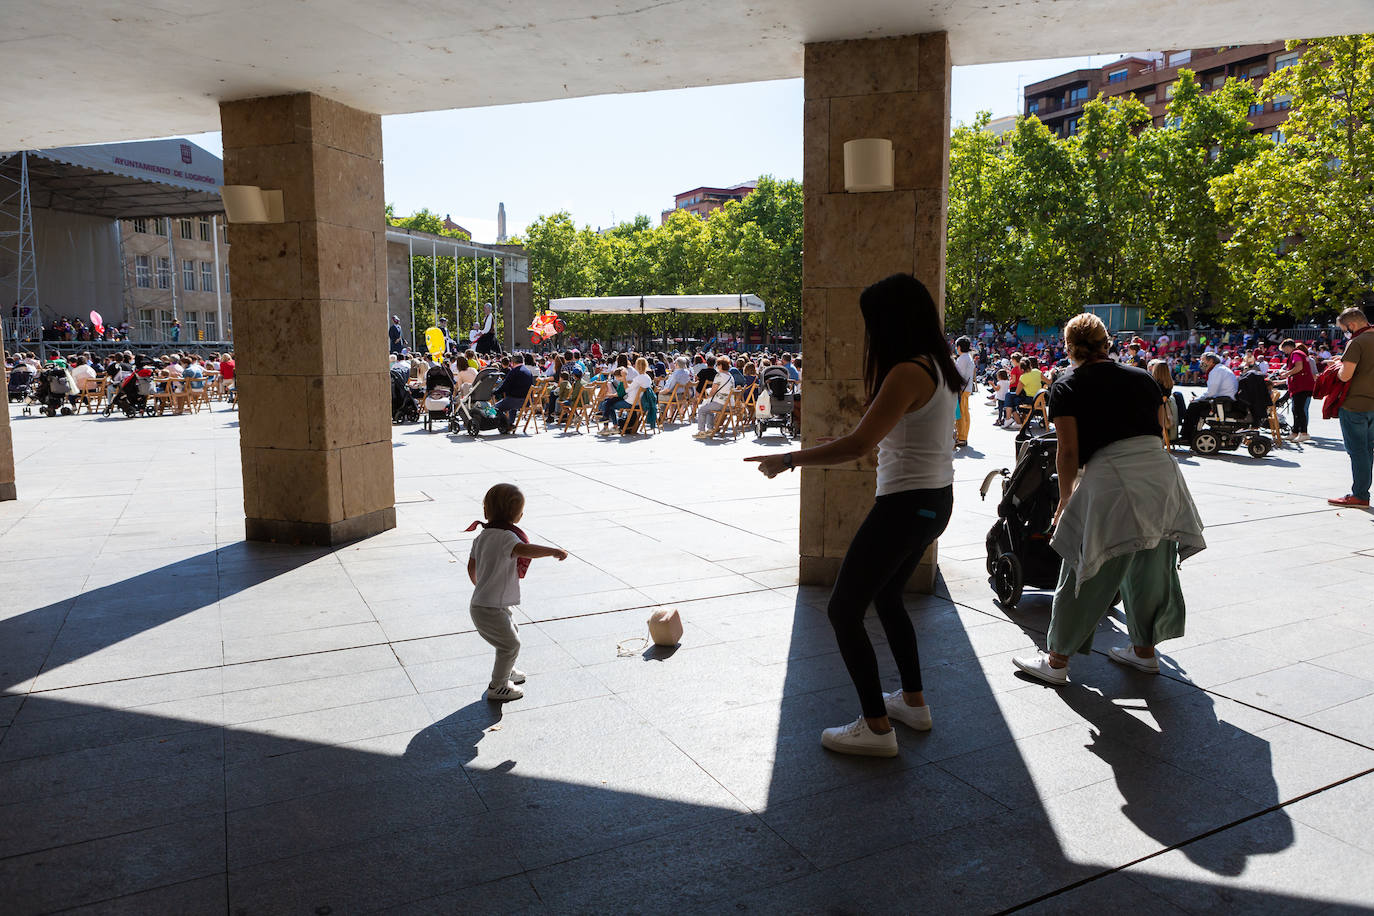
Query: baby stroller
[474, 410]
[403, 406]
[438, 396]
[775, 405]
[20, 385]
[53, 389]
[1018, 546]
[131, 395]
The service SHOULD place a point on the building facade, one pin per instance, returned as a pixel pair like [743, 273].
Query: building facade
[1059, 101]
[701, 201]
[176, 269]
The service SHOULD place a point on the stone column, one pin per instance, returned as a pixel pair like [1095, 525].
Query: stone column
[7, 490]
[894, 88]
[310, 322]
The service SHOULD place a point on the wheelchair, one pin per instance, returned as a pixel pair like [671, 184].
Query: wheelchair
[1228, 427]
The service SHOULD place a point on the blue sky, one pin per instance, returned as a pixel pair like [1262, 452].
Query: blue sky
[607, 158]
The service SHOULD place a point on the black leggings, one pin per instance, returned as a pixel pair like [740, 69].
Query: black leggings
[1302, 400]
[881, 559]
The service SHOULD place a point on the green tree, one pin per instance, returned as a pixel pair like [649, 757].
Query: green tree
[1207, 137]
[978, 250]
[1300, 210]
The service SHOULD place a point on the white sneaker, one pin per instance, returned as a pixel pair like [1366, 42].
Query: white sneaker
[858, 738]
[517, 676]
[1301, 437]
[1038, 666]
[917, 717]
[1128, 657]
[504, 693]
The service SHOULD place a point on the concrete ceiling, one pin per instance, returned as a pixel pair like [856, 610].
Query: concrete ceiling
[81, 72]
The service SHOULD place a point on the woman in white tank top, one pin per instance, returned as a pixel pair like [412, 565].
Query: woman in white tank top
[912, 384]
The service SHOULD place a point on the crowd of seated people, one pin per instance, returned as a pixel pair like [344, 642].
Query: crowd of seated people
[614, 381]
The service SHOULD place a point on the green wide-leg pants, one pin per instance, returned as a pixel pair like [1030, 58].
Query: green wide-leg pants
[1150, 593]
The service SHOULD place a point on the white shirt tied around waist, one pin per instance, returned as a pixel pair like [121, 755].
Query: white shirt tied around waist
[916, 454]
[1130, 497]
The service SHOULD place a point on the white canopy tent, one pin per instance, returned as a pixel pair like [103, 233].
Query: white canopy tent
[637, 305]
[732, 304]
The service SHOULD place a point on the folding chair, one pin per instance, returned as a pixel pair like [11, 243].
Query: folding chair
[577, 413]
[533, 408]
[1036, 408]
[93, 394]
[196, 397]
[727, 418]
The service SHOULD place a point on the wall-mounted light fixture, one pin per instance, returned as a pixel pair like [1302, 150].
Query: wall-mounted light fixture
[245, 203]
[868, 165]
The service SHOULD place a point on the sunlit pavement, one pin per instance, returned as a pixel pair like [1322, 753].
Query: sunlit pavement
[194, 724]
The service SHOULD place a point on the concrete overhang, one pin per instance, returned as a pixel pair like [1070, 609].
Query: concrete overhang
[85, 73]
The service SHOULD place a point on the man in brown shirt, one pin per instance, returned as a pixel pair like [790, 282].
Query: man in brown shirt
[1357, 410]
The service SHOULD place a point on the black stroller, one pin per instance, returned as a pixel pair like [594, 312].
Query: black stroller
[775, 406]
[403, 406]
[474, 410]
[54, 387]
[1018, 546]
[20, 385]
[133, 386]
[438, 396]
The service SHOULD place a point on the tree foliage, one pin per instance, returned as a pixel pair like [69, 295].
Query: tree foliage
[441, 286]
[1300, 210]
[1200, 220]
[750, 246]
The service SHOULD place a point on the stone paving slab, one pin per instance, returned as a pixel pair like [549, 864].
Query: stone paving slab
[191, 723]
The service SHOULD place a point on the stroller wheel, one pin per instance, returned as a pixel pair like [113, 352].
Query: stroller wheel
[758, 429]
[994, 548]
[1007, 579]
[473, 431]
[1258, 446]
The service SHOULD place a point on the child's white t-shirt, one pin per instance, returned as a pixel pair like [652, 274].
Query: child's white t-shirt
[498, 582]
[1003, 388]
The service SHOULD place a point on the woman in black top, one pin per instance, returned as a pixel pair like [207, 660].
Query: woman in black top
[1124, 520]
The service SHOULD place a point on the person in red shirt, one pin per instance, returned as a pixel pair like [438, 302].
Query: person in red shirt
[226, 366]
[1297, 369]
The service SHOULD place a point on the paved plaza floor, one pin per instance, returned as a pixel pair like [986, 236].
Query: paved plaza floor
[193, 724]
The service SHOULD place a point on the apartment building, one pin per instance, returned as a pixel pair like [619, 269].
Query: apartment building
[702, 201]
[1059, 101]
[177, 268]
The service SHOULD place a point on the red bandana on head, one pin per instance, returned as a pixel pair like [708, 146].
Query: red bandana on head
[522, 564]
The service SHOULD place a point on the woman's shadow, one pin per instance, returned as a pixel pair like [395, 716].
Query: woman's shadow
[1188, 730]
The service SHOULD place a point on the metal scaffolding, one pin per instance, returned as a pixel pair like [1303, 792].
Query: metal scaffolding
[19, 282]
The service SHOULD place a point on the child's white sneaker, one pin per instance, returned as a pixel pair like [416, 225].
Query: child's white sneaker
[505, 692]
[517, 676]
[858, 738]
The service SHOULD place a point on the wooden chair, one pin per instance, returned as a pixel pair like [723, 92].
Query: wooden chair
[745, 409]
[93, 394]
[727, 418]
[1038, 408]
[577, 413]
[198, 397]
[672, 403]
[635, 417]
[1274, 427]
[163, 395]
[532, 411]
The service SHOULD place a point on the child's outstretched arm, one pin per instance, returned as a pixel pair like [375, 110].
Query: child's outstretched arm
[535, 551]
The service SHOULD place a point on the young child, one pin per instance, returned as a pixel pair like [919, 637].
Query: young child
[500, 556]
[1003, 393]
